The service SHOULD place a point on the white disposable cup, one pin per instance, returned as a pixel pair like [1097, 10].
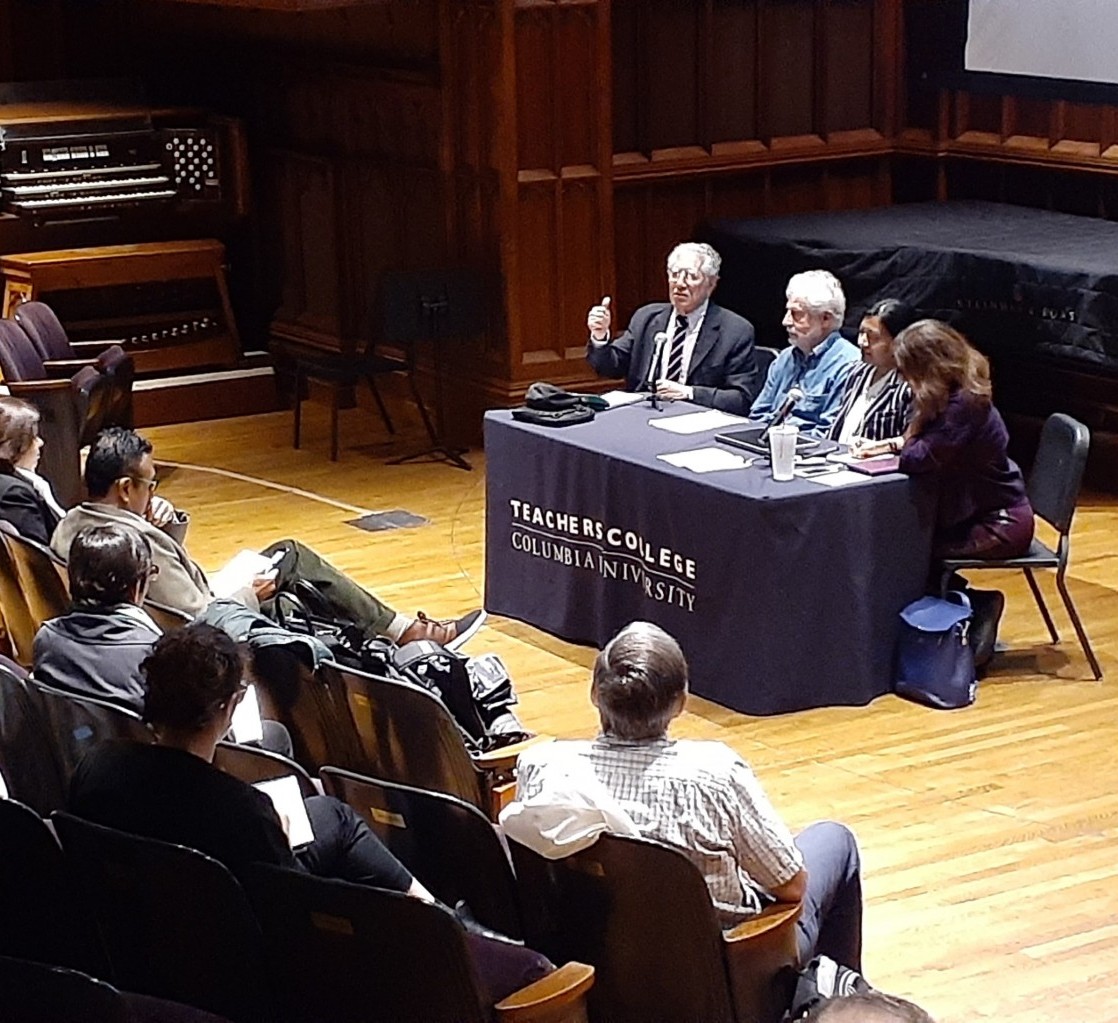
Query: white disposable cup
[782, 450]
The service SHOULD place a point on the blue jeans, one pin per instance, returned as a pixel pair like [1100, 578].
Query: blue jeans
[831, 921]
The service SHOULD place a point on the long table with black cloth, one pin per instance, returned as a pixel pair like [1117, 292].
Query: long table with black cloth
[783, 595]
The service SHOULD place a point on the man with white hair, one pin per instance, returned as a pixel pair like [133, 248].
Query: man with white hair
[704, 353]
[818, 357]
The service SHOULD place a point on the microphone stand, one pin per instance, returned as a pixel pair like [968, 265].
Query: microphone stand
[650, 380]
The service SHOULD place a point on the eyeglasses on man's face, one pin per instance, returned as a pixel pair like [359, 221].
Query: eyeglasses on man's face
[151, 483]
[686, 275]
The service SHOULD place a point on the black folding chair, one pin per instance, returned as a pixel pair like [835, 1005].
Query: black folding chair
[449, 844]
[1053, 489]
[176, 924]
[352, 954]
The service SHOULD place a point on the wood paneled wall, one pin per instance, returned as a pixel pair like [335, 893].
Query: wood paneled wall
[739, 109]
[1050, 153]
[561, 147]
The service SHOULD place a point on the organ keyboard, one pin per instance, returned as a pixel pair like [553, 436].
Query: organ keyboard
[113, 212]
[95, 159]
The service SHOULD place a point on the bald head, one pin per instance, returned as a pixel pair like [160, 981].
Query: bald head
[874, 1007]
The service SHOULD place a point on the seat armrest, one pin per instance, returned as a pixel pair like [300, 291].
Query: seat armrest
[560, 997]
[20, 388]
[762, 960]
[779, 914]
[166, 617]
[504, 759]
[57, 368]
[92, 349]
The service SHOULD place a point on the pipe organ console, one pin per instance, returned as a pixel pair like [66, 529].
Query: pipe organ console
[95, 199]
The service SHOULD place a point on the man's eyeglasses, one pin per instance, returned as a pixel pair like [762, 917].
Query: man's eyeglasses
[151, 484]
[691, 277]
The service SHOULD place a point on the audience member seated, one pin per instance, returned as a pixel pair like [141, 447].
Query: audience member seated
[875, 402]
[818, 358]
[172, 792]
[707, 356]
[26, 499]
[121, 481]
[699, 796]
[97, 649]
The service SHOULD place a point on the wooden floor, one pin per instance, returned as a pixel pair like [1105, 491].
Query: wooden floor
[989, 835]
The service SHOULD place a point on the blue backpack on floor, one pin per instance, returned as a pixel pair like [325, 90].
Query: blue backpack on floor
[935, 661]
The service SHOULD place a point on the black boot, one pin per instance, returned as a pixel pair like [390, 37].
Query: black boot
[987, 607]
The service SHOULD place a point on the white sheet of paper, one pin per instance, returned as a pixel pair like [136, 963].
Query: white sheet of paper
[842, 479]
[707, 460]
[247, 726]
[618, 398]
[238, 573]
[288, 801]
[697, 422]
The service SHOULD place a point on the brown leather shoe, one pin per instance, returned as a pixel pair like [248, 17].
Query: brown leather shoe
[451, 633]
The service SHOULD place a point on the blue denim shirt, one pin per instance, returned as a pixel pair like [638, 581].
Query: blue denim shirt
[819, 375]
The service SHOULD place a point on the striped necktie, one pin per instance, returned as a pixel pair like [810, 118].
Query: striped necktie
[675, 353]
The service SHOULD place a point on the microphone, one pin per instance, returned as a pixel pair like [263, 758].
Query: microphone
[658, 342]
[791, 400]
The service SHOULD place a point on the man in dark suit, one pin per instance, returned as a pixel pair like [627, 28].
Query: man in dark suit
[705, 354]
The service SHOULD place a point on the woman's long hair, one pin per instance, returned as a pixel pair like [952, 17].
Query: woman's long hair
[19, 426]
[937, 360]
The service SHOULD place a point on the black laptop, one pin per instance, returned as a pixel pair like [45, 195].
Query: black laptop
[750, 439]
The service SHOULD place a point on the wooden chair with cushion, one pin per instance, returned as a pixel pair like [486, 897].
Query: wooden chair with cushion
[449, 844]
[252, 764]
[34, 992]
[353, 954]
[29, 762]
[176, 924]
[43, 917]
[312, 705]
[78, 723]
[1053, 488]
[33, 588]
[640, 913]
[408, 736]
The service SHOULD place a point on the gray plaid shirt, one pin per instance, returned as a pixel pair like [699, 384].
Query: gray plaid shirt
[699, 796]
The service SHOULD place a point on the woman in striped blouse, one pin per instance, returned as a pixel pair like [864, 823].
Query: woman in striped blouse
[876, 402]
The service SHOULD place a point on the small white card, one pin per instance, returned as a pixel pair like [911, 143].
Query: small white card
[619, 398]
[697, 422]
[287, 798]
[707, 460]
[247, 726]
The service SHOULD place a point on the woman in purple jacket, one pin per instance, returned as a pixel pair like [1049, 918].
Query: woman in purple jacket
[957, 435]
